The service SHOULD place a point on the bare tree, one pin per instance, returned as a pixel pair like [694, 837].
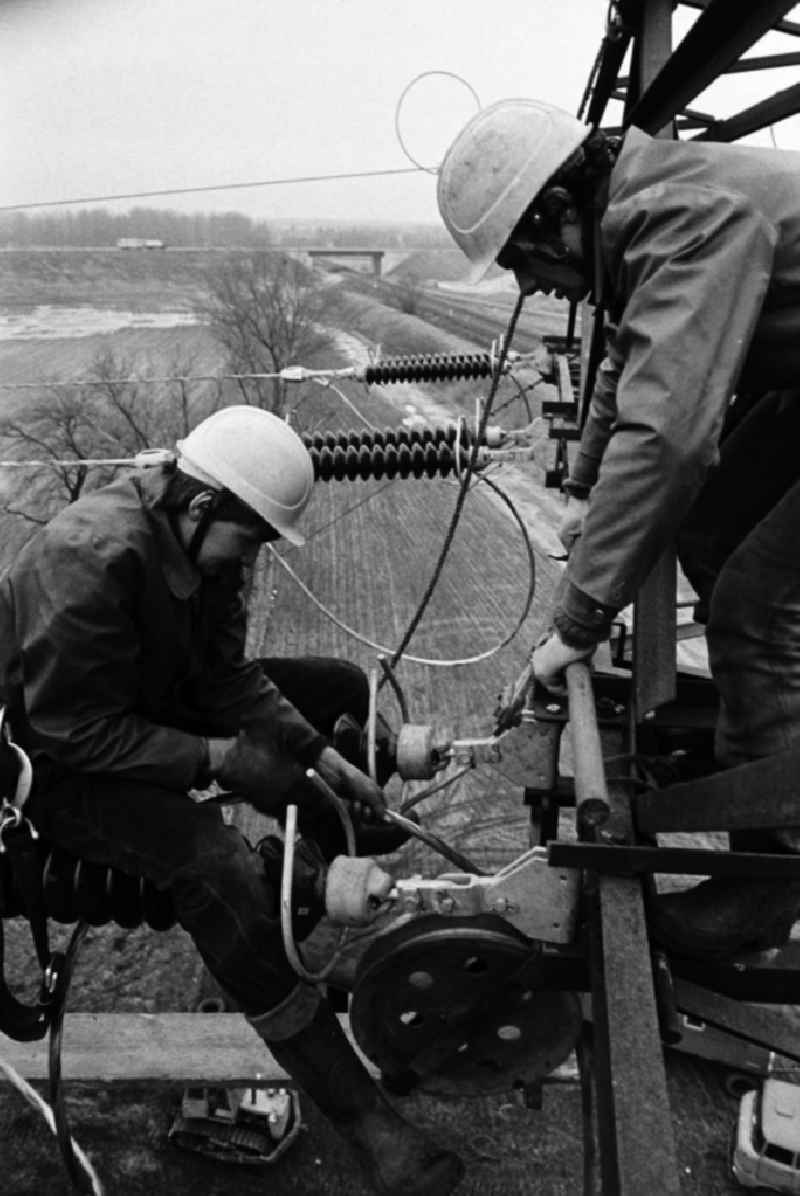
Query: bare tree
[113, 415]
[269, 311]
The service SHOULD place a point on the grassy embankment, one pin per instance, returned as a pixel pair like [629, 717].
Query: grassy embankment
[368, 561]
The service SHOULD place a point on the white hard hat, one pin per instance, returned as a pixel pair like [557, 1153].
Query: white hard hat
[495, 167]
[258, 458]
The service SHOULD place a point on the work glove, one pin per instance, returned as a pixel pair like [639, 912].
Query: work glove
[571, 526]
[545, 664]
[352, 785]
[256, 767]
[550, 658]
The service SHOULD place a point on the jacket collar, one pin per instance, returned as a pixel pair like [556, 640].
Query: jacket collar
[181, 575]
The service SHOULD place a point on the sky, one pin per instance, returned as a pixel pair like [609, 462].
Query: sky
[102, 97]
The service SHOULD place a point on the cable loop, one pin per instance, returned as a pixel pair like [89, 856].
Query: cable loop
[404, 93]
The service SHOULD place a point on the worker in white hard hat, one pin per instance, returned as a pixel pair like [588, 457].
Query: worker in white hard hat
[694, 249]
[123, 671]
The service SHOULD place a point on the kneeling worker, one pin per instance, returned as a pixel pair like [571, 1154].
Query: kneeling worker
[122, 666]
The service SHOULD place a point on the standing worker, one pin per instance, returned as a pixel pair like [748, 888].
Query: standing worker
[694, 248]
[123, 670]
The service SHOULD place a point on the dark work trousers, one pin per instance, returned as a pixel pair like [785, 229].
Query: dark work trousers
[217, 880]
[759, 462]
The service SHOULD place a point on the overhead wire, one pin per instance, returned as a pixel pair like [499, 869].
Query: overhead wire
[163, 191]
[463, 490]
[433, 662]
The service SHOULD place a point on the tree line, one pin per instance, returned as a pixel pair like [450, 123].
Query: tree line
[101, 227]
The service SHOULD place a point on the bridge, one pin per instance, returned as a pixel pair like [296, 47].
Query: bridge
[374, 255]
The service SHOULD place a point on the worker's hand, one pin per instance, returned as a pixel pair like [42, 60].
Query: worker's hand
[571, 525]
[255, 767]
[551, 657]
[354, 786]
[512, 700]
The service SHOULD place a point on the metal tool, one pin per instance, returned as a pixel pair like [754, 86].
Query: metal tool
[444, 849]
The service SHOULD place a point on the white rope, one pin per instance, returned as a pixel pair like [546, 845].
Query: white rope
[362, 639]
[326, 384]
[33, 1098]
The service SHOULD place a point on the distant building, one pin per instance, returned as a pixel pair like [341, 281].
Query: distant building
[140, 243]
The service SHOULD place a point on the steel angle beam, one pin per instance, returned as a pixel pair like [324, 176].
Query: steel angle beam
[611, 56]
[765, 62]
[724, 30]
[632, 861]
[759, 795]
[790, 27]
[767, 1027]
[637, 1147]
[634, 1123]
[768, 112]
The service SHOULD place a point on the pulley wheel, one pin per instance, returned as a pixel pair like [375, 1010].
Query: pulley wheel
[438, 1002]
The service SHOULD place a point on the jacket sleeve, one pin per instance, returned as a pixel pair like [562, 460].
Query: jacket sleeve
[597, 429]
[236, 692]
[80, 664]
[693, 265]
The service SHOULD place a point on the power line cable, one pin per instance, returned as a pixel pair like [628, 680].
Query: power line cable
[463, 489]
[306, 178]
[436, 663]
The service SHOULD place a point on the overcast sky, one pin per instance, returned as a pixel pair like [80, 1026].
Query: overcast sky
[103, 97]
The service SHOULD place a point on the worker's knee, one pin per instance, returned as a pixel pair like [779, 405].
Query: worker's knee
[224, 872]
[288, 1017]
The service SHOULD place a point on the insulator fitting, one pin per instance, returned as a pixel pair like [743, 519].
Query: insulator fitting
[446, 367]
[77, 891]
[391, 453]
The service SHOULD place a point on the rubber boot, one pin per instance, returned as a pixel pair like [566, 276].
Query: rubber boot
[722, 917]
[398, 1159]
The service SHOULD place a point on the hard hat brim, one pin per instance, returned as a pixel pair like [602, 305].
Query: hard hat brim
[477, 272]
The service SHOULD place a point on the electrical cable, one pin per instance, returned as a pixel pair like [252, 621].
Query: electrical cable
[404, 93]
[33, 1098]
[462, 494]
[409, 802]
[326, 384]
[434, 663]
[307, 178]
[348, 510]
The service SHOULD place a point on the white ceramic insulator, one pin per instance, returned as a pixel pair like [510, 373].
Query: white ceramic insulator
[416, 755]
[355, 887]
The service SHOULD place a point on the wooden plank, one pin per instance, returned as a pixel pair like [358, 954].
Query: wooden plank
[156, 1048]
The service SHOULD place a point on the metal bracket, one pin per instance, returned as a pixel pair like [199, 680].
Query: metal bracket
[536, 899]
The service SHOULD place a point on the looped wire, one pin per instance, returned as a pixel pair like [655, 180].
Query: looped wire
[404, 93]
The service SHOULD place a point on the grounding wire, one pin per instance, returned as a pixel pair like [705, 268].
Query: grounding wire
[433, 663]
[326, 384]
[33, 1098]
[349, 510]
[463, 489]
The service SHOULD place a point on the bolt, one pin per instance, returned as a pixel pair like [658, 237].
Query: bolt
[500, 905]
[446, 904]
[553, 707]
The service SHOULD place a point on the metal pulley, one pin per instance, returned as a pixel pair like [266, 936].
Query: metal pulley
[461, 1007]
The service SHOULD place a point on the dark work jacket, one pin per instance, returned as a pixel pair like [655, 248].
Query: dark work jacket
[117, 656]
[701, 245]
